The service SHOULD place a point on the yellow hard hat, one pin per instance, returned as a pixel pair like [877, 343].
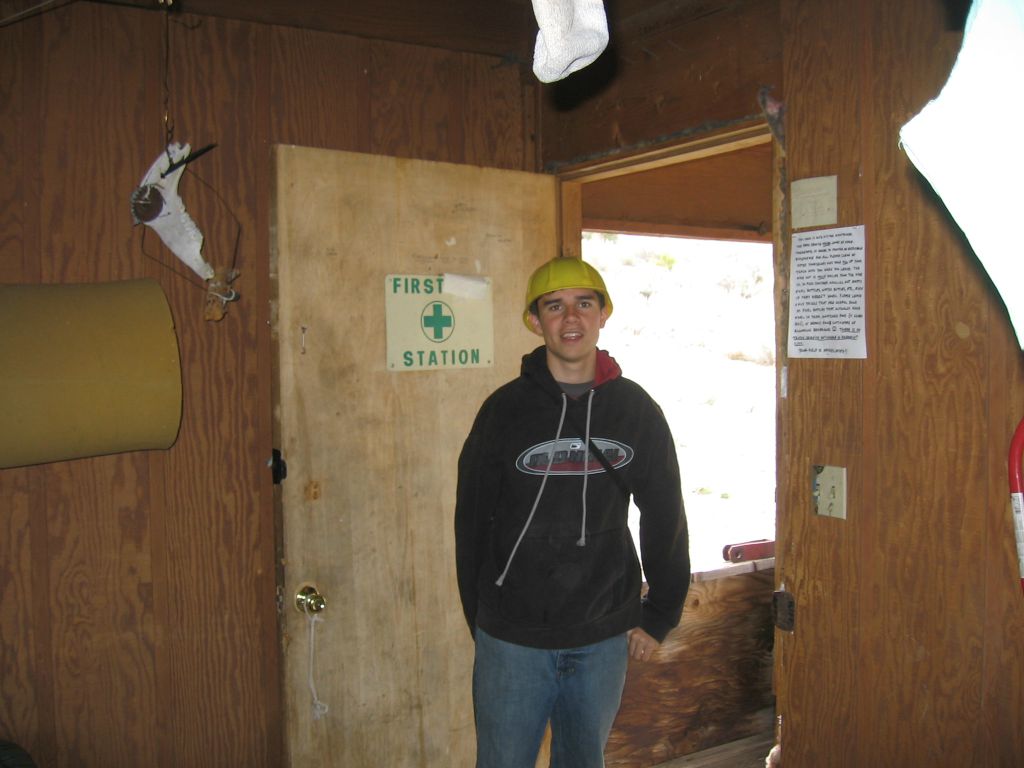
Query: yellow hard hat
[563, 272]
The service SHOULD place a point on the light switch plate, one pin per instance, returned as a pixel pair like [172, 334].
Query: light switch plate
[814, 201]
[829, 489]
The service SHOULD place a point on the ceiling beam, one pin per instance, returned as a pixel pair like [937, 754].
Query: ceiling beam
[503, 28]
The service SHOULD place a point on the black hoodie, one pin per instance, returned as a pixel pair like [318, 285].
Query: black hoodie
[542, 548]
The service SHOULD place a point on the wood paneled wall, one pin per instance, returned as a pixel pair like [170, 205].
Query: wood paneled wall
[909, 616]
[680, 69]
[138, 620]
[137, 616]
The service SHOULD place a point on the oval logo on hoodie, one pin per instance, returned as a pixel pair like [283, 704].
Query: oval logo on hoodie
[571, 458]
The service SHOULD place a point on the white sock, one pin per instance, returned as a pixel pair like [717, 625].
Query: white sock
[572, 34]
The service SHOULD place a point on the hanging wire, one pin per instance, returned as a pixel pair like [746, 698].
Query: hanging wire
[35, 10]
[168, 122]
[235, 248]
[52, 5]
[165, 75]
[231, 213]
[184, 275]
[168, 139]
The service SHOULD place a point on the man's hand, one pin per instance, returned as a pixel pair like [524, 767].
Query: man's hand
[641, 645]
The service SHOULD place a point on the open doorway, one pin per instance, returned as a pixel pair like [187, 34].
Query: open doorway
[684, 234]
[702, 342]
[694, 324]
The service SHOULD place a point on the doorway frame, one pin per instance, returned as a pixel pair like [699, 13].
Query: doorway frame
[571, 217]
[570, 225]
[572, 179]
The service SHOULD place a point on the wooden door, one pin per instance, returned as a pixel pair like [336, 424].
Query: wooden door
[371, 451]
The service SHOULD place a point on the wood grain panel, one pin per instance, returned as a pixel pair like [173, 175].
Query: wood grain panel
[724, 195]
[414, 108]
[498, 28]
[665, 81]
[326, 105]
[220, 582]
[708, 684]
[906, 570]
[85, 234]
[15, 99]
[570, 219]
[97, 634]
[26, 698]
[39, 657]
[101, 602]
[493, 106]
[999, 737]
[932, 355]
[166, 560]
[823, 413]
[19, 708]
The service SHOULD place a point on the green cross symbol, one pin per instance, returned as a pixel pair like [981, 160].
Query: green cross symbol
[437, 321]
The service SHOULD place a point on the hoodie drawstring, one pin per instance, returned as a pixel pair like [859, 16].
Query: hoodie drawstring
[582, 542]
[540, 491]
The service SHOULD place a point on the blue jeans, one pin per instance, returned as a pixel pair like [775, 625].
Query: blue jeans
[517, 690]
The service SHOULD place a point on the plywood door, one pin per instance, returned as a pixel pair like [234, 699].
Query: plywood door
[371, 453]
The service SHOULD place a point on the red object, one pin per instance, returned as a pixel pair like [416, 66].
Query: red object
[1016, 477]
[1016, 454]
[749, 550]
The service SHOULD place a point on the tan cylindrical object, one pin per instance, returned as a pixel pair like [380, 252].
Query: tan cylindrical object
[86, 370]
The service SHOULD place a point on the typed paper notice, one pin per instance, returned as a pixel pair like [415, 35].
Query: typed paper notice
[826, 299]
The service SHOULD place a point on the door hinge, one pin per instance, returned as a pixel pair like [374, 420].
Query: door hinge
[278, 466]
[784, 610]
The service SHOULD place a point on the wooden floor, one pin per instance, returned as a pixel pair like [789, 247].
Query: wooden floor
[745, 753]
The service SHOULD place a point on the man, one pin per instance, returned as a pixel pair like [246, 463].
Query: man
[548, 575]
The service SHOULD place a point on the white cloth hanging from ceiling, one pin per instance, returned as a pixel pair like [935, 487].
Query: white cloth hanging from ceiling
[572, 34]
[965, 143]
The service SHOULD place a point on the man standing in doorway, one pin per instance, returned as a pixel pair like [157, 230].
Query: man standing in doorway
[548, 574]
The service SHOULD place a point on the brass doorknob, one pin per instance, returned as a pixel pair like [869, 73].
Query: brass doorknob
[309, 600]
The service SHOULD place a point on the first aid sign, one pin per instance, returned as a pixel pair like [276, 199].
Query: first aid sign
[438, 322]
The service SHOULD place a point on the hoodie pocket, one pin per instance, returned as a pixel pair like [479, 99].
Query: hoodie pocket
[560, 584]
